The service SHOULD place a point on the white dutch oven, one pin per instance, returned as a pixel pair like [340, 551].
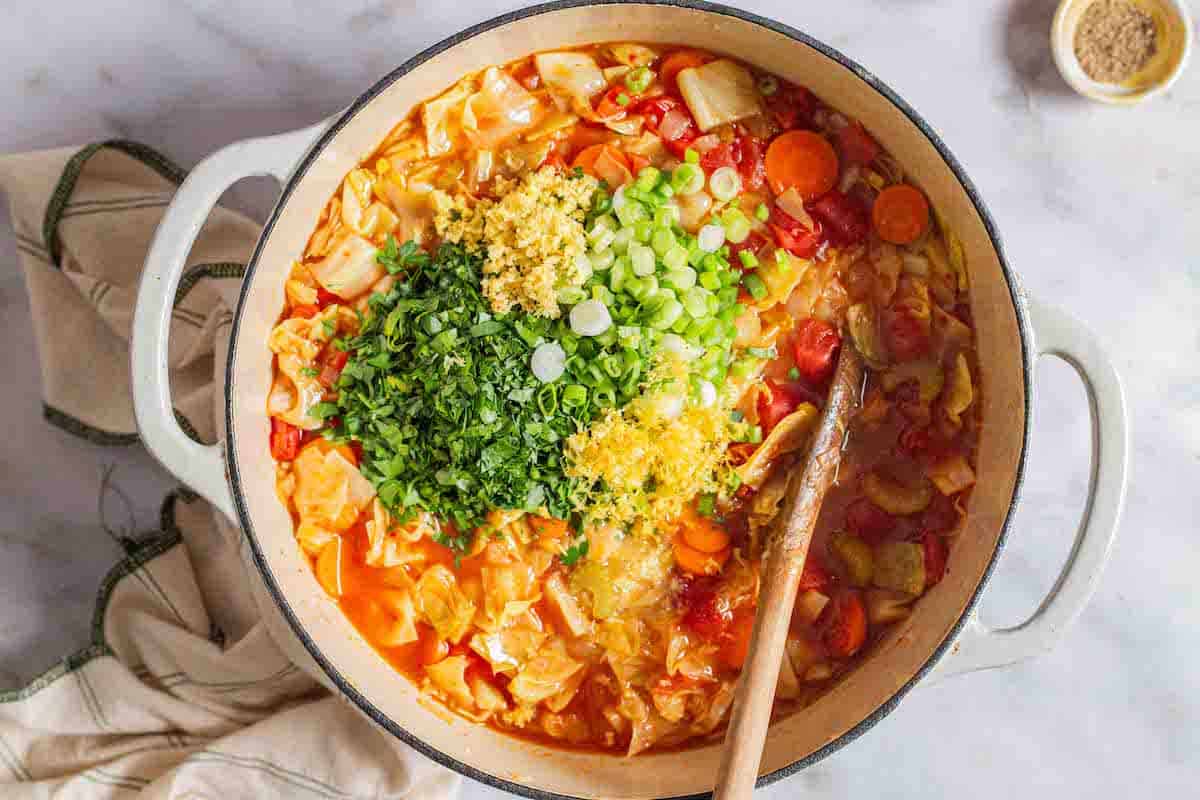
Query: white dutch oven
[943, 635]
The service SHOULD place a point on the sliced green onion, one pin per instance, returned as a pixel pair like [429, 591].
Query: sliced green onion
[642, 259]
[638, 80]
[725, 184]
[622, 99]
[681, 278]
[647, 179]
[666, 215]
[622, 239]
[710, 280]
[617, 276]
[643, 230]
[629, 213]
[574, 396]
[695, 300]
[590, 318]
[768, 85]
[762, 213]
[754, 285]
[602, 260]
[737, 229]
[666, 315]
[710, 238]
[675, 260]
[793, 374]
[548, 362]
[570, 295]
[687, 178]
[748, 259]
[604, 240]
[662, 240]
[690, 156]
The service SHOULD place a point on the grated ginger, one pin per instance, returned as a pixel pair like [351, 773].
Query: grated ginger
[643, 463]
[531, 237]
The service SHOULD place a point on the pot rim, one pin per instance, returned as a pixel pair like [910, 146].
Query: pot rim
[364, 704]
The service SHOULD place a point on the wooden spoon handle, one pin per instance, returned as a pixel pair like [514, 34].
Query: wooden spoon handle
[786, 552]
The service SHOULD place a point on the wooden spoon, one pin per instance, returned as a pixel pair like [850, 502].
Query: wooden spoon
[786, 552]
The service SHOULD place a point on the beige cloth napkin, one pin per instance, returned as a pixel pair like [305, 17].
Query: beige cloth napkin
[182, 692]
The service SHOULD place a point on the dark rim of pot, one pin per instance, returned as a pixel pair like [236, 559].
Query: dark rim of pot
[301, 170]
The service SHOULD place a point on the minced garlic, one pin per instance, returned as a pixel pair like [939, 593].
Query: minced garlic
[531, 237]
[646, 461]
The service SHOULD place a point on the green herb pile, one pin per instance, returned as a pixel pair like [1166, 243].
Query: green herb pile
[439, 393]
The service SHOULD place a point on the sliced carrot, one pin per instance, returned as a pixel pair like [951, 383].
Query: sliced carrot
[587, 157]
[900, 214]
[703, 533]
[802, 160]
[680, 60]
[613, 168]
[548, 529]
[736, 646]
[636, 162]
[697, 562]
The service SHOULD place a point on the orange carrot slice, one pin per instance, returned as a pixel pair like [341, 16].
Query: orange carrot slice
[900, 214]
[696, 562]
[329, 568]
[802, 160]
[703, 533]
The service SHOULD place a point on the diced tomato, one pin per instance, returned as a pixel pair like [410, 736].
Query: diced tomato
[868, 521]
[679, 147]
[792, 106]
[802, 245]
[855, 145]
[636, 162]
[843, 625]
[791, 235]
[745, 493]
[326, 298]
[753, 165]
[934, 547]
[306, 311]
[609, 108]
[331, 366]
[736, 645]
[907, 337]
[815, 347]
[775, 404]
[815, 575]
[740, 452]
[843, 216]
[726, 154]
[705, 610]
[285, 440]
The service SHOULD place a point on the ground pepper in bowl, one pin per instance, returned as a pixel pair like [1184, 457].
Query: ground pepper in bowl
[1114, 40]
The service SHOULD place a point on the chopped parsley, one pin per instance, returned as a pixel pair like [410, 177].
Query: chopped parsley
[439, 393]
[575, 552]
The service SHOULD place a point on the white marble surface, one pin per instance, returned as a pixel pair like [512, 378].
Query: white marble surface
[1100, 212]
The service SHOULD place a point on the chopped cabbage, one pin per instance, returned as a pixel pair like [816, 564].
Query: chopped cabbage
[572, 74]
[951, 474]
[443, 604]
[500, 109]
[895, 497]
[632, 55]
[719, 92]
[442, 117]
[297, 342]
[567, 606]
[960, 393]
[789, 435]
[508, 650]
[330, 491]
[349, 269]
[544, 675]
[449, 675]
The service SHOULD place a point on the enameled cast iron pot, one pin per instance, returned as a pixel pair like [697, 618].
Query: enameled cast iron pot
[942, 636]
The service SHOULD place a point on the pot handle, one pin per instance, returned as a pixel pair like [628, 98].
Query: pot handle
[199, 466]
[979, 647]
